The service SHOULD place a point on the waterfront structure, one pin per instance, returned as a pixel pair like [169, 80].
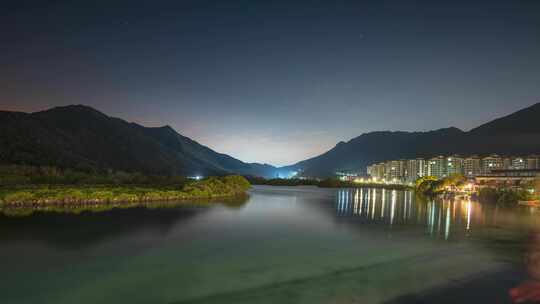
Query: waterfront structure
[346, 176]
[508, 177]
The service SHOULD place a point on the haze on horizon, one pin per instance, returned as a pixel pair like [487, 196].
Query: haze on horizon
[274, 82]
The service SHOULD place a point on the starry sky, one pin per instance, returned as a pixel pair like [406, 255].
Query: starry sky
[274, 81]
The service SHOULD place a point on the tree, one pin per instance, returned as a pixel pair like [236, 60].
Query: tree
[426, 184]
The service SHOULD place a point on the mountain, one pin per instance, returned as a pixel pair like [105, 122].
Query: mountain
[81, 137]
[515, 134]
[524, 121]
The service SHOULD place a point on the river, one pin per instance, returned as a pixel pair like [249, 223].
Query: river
[282, 245]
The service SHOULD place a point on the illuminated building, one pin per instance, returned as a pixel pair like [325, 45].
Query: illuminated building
[414, 169]
[437, 166]
[408, 170]
[492, 162]
[472, 166]
[532, 162]
[508, 177]
[517, 163]
[454, 165]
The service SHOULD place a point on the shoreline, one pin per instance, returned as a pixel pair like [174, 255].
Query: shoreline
[378, 186]
[104, 202]
[27, 209]
[34, 196]
[328, 183]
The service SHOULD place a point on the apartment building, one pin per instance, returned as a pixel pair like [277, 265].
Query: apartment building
[472, 166]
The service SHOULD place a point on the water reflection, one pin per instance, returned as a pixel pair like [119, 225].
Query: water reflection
[73, 227]
[234, 202]
[442, 218]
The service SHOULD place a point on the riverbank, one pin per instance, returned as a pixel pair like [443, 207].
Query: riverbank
[91, 195]
[325, 183]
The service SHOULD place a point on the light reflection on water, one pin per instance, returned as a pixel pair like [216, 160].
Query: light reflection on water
[442, 218]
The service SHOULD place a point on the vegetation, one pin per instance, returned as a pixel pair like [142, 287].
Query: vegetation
[431, 185]
[504, 196]
[24, 186]
[232, 202]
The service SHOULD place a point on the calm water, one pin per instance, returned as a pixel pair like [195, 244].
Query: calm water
[284, 245]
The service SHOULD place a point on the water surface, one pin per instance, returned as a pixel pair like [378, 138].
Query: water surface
[284, 245]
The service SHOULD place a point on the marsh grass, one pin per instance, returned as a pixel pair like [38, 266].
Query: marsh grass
[44, 195]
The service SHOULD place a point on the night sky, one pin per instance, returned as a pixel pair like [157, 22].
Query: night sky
[272, 81]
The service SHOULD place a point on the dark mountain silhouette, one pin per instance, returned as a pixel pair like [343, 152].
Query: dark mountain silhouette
[515, 134]
[84, 138]
[525, 121]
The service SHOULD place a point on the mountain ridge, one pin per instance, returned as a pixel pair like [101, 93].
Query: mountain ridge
[82, 137]
[516, 133]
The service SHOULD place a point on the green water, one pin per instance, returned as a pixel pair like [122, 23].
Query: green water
[284, 245]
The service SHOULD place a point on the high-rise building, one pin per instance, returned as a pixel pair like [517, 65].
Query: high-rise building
[421, 167]
[518, 163]
[506, 163]
[437, 166]
[402, 169]
[454, 165]
[408, 170]
[395, 170]
[492, 162]
[532, 162]
[472, 166]
[387, 170]
[381, 171]
[415, 168]
[377, 171]
[370, 170]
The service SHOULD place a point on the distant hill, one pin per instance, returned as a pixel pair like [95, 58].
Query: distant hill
[82, 137]
[525, 121]
[517, 133]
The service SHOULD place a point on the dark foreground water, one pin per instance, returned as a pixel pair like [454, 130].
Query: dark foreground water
[284, 245]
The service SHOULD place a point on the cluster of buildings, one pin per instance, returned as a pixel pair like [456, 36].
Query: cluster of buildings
[408, 170]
